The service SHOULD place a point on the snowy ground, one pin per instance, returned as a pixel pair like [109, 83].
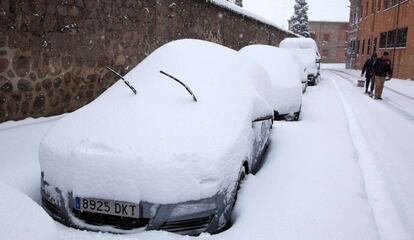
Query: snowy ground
[345, 171]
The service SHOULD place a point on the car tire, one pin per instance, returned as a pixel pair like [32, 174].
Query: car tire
[242, 176]
[297, 116]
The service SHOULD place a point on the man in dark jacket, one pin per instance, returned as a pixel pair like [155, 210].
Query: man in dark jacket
[382, 70]
[368, 69]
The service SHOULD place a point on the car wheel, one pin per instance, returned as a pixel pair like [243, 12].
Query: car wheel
[297, 116]
[242, 176]
[290, 117]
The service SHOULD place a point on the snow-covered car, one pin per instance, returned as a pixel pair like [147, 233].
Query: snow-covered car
[22, 218]
[170, 157]
[308, 52]
[285, 76]
[302, 68]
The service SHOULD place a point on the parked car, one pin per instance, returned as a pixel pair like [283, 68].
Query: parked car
[170, 157]
[308, 52]
[304, 76]
[286, 79]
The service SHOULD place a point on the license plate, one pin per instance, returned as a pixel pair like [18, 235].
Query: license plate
[116, 208]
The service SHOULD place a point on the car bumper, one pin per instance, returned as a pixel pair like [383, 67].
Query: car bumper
[60, 206]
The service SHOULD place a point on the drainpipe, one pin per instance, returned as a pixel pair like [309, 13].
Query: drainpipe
[396, 34]
[373, 25]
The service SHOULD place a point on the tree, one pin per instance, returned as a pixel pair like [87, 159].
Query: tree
[299, 22]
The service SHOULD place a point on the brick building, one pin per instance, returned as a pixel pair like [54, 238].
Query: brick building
[331, 38]
[382, 25]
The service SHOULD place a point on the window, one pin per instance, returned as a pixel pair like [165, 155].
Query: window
[394, 38]
[391, 38]
[390, 3]
[369, 47]
[358, 45]
[378, 5]
[375, 45]
[362, 12]
[363, 47]
[383, 40]
[401, 37]
[366, 9]
[373, 6]
[326, 37]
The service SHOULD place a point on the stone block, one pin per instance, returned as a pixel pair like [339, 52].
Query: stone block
[4, 64]
[24, 85]
[21, 65]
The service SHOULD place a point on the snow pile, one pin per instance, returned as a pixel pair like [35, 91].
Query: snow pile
[285, 74]
[19, 163]
[333, 66]
[160, 145]
[22, 219]
[385, 212]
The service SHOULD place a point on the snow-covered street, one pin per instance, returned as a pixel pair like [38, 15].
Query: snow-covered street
[344, 171]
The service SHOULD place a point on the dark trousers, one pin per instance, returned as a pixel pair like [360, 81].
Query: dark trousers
[368, 80]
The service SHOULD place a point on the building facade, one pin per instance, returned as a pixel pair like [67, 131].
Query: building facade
[382, 25]
[331, 38]
[351, 53]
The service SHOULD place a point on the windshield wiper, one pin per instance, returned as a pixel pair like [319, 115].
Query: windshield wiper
[182, 84]
[123, 79]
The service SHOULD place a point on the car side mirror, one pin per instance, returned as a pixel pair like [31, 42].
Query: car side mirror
[260, 119]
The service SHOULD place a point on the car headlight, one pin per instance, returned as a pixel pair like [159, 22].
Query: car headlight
[192, 208]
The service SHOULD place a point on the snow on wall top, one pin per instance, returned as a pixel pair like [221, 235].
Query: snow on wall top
[234, 8]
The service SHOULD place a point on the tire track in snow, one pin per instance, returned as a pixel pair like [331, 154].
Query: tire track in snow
[394, 106]
[385, 87]
[386, 216]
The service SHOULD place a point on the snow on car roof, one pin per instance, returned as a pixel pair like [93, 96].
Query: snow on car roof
[299, 43]
[284, 72]
[22, 218]
[160, 145]
[306, 48]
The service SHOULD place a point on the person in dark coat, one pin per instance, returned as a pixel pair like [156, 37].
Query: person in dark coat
[368, 69]
[382, 70]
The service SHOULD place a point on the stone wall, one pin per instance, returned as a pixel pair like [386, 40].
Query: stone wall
[53, 53]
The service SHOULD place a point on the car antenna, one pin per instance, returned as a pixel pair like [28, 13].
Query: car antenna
[123, 79]
[185, 86]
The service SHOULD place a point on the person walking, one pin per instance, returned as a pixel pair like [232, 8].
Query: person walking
[382, 70]
[368, 69]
